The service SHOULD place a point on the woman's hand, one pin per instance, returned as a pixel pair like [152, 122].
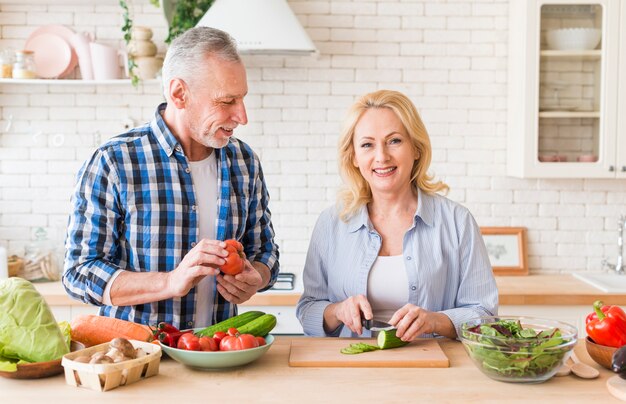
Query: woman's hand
[412, 321]
[348, 312]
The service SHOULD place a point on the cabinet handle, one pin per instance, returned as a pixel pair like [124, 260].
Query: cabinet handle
[611, 168]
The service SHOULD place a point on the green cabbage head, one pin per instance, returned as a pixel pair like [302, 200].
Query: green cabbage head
[28, 330]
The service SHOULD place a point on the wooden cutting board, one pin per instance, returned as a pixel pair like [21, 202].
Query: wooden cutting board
[324, 352]
[617, 387]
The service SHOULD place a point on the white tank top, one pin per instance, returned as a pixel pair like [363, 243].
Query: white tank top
[387, 286]
[204, 175]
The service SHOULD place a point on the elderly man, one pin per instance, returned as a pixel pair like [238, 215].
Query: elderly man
[153, 206]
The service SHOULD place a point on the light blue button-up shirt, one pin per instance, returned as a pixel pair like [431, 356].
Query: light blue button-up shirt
[445, 258]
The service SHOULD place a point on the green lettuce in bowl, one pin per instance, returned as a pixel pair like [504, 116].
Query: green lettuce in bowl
[518, 349]
[29, 332]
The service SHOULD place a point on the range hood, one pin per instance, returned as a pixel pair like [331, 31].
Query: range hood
[260, 26]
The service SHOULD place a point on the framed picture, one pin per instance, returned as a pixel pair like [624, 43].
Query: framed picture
[507, 249]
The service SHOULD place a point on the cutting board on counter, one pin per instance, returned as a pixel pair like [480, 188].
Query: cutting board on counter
[324, 352]
[617, 387]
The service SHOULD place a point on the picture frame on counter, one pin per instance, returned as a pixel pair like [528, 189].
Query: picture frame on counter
[506, 247]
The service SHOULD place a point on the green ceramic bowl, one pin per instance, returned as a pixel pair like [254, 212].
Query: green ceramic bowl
[218, 359]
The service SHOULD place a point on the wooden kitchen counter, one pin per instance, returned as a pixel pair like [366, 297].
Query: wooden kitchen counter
[555, 289]
[270, 379]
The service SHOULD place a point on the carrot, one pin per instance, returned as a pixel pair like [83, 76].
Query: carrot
[93, 330]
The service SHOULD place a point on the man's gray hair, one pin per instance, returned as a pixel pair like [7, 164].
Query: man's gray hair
[187, 53]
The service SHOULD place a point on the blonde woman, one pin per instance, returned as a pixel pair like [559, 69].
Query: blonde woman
[392, 248]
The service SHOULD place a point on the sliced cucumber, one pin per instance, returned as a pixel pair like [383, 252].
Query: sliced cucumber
[350, 351]
[358, 348]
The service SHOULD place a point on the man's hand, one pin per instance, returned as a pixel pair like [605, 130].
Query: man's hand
[241, 287]
[200, 261]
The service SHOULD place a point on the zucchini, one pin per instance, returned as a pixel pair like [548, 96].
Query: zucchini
[236, 322]
[387, 340]
[259, 327]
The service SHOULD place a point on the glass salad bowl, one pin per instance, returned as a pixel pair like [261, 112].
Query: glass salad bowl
[518, 349]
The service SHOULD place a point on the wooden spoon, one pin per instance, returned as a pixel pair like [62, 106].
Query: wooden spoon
[581, 369]
[564, 370]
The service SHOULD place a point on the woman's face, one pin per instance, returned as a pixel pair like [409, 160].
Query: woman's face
[383, 152]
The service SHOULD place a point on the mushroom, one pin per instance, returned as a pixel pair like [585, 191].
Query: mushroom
[116, 355]
[100, 358]
[124, 346]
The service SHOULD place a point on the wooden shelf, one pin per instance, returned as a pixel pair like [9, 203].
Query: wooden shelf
[569, 114]
[585, 54]
[69, 82]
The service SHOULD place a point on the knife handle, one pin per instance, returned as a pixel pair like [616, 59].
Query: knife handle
[365, 323]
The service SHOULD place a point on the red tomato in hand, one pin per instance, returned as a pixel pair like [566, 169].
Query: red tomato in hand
[235, 260]
[208, 344]
[261, 341]
[190, 342]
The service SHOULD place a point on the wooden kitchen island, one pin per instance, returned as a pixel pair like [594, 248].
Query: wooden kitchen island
[270, 379]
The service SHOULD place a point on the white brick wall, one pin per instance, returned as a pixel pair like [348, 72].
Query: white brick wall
[450, 57]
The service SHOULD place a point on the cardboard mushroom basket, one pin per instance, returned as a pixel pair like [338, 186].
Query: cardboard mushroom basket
[107, 366]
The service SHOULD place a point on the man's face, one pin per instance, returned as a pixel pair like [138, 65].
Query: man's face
[215, 107]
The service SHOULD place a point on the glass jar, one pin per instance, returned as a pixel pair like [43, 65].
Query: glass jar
[24, 66]
[41, 259]
[6, 63]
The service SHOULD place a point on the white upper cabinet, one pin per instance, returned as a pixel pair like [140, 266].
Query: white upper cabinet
[567, 89]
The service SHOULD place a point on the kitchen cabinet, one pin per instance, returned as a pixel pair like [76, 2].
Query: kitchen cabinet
[567, 92]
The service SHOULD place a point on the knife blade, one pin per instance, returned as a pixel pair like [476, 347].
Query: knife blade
[375, 325]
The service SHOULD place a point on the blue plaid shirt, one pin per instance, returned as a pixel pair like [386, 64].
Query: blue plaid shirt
[133, 209]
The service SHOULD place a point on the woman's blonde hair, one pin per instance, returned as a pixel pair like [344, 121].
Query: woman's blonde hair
[357, 191]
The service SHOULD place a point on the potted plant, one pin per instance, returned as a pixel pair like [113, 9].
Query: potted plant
[180, 16]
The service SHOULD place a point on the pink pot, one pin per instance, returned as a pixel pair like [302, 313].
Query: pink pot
[80, 42]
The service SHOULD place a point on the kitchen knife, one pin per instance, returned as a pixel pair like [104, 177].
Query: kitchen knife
[375, 325]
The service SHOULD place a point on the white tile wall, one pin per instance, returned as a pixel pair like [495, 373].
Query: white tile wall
[449, 56]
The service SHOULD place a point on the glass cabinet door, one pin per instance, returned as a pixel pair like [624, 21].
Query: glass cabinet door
[570, 83]
[564, 68]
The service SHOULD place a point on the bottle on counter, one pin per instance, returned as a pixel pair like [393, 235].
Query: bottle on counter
[24, 66]
[6, 63]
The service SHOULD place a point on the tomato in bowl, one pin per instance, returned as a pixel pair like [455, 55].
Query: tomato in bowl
[218, 359]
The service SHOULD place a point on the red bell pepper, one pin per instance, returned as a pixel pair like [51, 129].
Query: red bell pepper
[608, 327]
[171, 338]
[594, 316]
